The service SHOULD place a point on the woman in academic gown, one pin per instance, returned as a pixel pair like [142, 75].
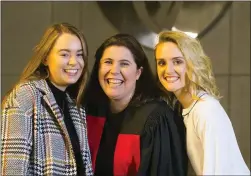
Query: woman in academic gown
[131, 130]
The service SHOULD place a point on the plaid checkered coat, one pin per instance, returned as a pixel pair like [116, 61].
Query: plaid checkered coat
[34, 138]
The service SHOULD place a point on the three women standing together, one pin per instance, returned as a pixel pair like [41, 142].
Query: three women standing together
[121, 123]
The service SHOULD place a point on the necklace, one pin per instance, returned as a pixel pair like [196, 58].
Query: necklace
[194, 105]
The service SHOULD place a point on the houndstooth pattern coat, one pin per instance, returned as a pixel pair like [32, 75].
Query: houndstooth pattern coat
[34, 138]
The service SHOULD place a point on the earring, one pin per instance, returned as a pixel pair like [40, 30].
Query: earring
[47, 72]
[44, 70]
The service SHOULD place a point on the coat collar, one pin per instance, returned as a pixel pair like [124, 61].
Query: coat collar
[45, 89]
[50, 100]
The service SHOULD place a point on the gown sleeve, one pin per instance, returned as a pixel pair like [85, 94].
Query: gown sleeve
[162, 152]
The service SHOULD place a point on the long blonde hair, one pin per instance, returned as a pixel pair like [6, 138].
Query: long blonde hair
[199, 67]
[36, 70]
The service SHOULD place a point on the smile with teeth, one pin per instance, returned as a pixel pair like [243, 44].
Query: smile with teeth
[71, 71]
[114, 81]
[171, 79]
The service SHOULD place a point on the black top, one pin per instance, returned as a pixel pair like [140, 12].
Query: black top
[60, 97]
[105, 157]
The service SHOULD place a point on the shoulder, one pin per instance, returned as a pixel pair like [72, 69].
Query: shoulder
[32, 87]
[23, 94]
[25, 90]
[161, 108]
[155, 109]
[208, 106]
[207, 103]
[157, 106]
[161, 115]
[20, 96]
[209, 112]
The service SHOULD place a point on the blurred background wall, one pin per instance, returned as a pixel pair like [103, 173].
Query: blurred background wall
[227, 42]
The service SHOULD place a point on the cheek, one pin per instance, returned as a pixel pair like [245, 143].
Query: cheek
[181, 70]
[81, 63]
[54, 67]
[101, 73]
[51, 63]
[160, 71]
[130, 76]
[183, 73]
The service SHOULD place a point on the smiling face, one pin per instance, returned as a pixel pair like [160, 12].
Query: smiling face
[171, 66]
[65, 61]
[118, 73]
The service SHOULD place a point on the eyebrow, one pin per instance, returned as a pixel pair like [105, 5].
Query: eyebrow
[67, 50]
[122, 60]
[178, 57]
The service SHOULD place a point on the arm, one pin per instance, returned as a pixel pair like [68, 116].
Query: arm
[221, 153]
[161, 149]
[16, 134]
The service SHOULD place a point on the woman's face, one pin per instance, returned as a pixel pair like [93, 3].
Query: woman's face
[118, 73]
[171, 66]
[65, 61]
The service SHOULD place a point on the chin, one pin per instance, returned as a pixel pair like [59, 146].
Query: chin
[72, 81]
[170, 89]
[113, 97]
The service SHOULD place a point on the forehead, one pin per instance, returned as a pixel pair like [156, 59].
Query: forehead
[167, 50]
[117, 53]
[68, 41]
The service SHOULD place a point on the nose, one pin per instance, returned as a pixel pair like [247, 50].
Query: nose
[169, 68]
[72, 60]
[115, 69]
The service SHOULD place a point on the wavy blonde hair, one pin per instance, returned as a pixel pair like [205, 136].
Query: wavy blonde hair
[199, 67]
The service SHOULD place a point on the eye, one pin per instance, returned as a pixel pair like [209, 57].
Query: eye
[64, 54]
[108, 62]
[161, 63]
[124, 64]
[80, 55]
[177, 62]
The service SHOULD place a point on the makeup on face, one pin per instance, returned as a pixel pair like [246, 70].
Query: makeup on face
[118, 73]
[171, 66]
[65, 61]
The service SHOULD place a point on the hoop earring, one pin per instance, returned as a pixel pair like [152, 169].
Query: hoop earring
[47, 72]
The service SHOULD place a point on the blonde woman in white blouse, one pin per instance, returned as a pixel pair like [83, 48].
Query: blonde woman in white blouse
[185, 73]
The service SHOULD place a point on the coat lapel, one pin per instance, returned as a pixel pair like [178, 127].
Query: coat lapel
[49, 99]
[78, 119]
[51, 102]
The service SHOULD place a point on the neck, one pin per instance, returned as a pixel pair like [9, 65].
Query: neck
[62, 88]
[184, 97]
[117, 106]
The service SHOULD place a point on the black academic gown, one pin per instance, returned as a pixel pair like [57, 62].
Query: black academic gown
[141, 141]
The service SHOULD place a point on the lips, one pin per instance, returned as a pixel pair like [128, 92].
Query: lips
[71, 72]
[171, 79]
[112, 81]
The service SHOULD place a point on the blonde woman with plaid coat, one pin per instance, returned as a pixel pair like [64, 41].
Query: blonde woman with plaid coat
[43, 125]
